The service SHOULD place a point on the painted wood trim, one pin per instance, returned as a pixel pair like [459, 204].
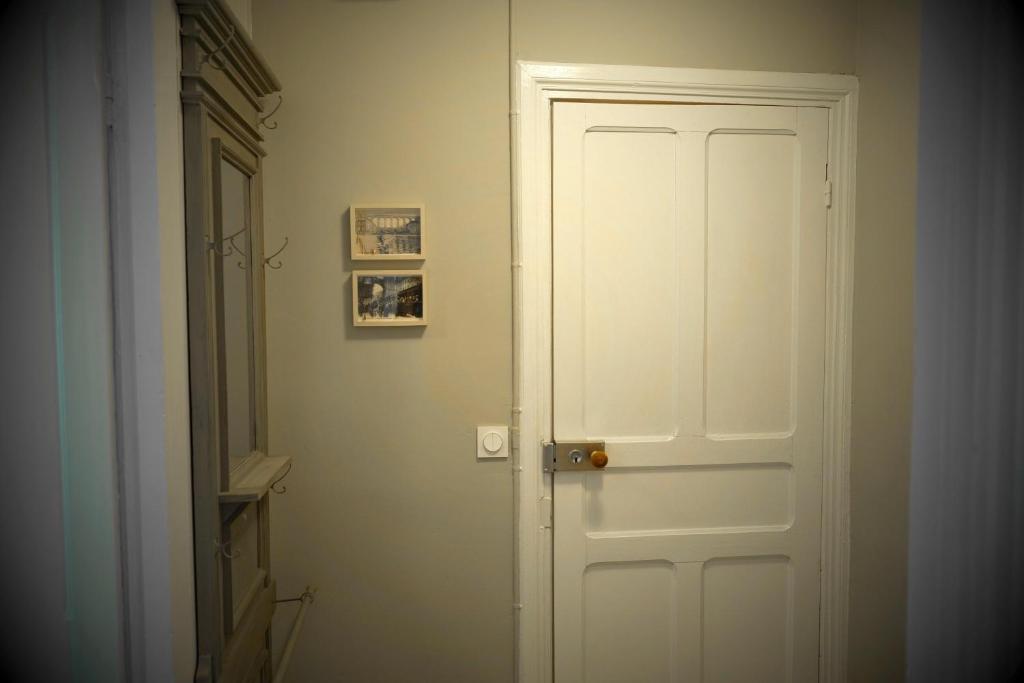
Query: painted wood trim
[538, 85]
[202, 390]
[216, 22]
[247, 642]
[235, 152]
[232, 83]
[835, 547]
[258, 294]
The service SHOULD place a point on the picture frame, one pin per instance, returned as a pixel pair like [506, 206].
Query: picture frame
[387, 232]
[389, 298]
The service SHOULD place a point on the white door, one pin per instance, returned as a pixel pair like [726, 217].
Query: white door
[688, 333]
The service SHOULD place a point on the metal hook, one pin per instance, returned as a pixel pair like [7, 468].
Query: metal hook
[283, 488]
[307, 596]
[216, 249]
[222, 549]
[231, 238]
[263, 119]
[279, 263]
[232, 247]
[210, 55]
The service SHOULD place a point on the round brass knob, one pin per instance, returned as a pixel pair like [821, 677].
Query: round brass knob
[598, 459]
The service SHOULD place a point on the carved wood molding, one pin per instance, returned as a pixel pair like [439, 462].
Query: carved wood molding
[220, 66]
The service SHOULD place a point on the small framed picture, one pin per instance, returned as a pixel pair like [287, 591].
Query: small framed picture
[386, 232]
[389, 297]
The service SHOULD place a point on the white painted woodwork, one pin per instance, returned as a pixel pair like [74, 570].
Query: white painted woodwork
[538, 86]
[688, 333]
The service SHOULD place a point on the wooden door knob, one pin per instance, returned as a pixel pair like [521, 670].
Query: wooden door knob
[598, 459]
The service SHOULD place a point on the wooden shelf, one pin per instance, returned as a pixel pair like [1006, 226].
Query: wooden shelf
[252, 481]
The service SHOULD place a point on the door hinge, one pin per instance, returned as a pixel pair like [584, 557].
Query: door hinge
[828, 194]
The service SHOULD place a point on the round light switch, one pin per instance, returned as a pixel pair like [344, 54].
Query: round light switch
[493, 442]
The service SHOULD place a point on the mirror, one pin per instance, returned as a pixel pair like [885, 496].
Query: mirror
[235, 305]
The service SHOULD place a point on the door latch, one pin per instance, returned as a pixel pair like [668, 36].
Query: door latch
[574, 456]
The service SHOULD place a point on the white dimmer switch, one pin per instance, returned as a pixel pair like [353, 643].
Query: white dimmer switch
[492, 442]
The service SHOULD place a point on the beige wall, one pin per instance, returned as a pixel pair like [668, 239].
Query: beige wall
[408, 538]
[887, 65]
[177, 437]
[785, 35]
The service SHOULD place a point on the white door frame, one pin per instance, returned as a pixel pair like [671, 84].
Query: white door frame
[538, 86]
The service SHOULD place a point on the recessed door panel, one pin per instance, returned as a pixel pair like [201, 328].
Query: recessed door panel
[629, 621]
[745, 628]
[689, 498]
[628, 280]
[750, 276]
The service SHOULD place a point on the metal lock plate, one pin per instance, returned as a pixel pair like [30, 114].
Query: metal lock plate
[571, 456]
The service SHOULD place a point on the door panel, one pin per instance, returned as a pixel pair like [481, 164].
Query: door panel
[737, 647]
[689, 498]
[750, 274]
[629, 608]
[628, 286]
[688, 335]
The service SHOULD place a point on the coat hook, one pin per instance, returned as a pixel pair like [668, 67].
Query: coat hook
[263, 119]
[241, 263]
[282, 488]
[210, 55]
[222, 548]
[215, 247]
[232, 248]
[279, 264]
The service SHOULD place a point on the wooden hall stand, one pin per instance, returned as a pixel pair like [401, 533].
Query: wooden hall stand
[224, 82]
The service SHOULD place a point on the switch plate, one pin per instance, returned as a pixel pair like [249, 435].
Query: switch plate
[492, 442]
